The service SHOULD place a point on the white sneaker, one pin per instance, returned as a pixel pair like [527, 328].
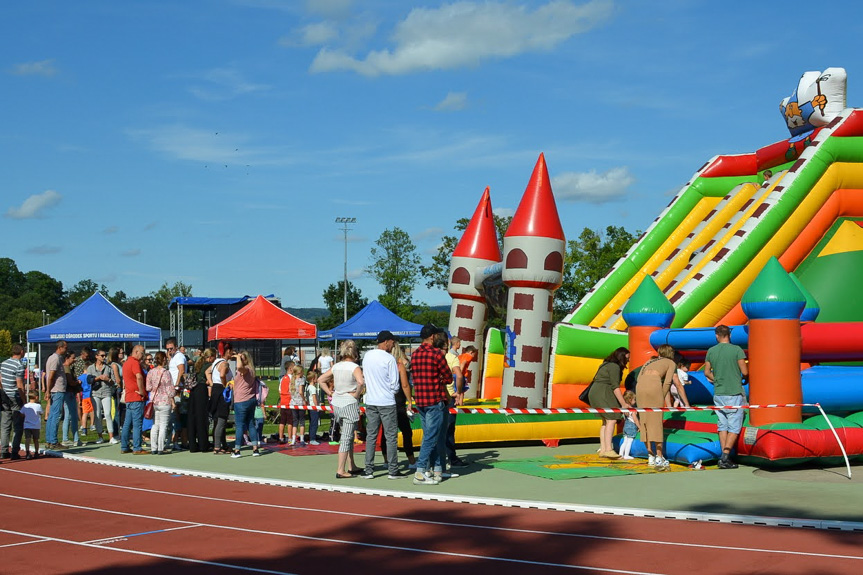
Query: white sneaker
[651, 460]
[235, 455]
[424, 479]
[313, 442]
[292, 441]
[100, 441]
[114, 441]
[661, 464]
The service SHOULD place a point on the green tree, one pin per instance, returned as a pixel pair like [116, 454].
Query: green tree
[395, 266]
[82, 290]
[437, 274]
[11, 278]
[334, 299]
[587, 261]
[5, 343]
[41, 291]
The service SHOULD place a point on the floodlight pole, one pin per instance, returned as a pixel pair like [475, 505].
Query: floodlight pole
[345, 222]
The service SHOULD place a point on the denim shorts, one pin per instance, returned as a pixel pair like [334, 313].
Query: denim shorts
[730, 420]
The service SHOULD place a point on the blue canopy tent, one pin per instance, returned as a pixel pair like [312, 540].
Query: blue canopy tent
[368, 322]
[96, 319]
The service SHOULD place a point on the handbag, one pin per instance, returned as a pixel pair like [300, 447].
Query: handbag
[148, 410]
[585, 395]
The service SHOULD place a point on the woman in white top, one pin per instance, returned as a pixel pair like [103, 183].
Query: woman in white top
[344, 385]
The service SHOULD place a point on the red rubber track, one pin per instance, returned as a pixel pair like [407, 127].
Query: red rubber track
[59, 517]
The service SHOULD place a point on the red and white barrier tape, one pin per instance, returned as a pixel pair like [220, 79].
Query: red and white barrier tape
[560, 410]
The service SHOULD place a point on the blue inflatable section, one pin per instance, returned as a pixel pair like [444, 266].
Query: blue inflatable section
[837, 388]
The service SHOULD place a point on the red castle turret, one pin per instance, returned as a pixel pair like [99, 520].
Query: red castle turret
[534, 247]
[477, 249]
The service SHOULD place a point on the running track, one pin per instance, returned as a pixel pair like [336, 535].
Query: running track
[59, 516]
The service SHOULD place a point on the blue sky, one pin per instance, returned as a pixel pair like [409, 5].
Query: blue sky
[216, 142]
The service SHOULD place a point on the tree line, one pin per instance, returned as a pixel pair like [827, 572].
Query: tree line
[396, 266]
[31, 299]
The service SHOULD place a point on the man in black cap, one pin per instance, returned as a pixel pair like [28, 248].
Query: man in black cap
[430, 374]
[382, 383]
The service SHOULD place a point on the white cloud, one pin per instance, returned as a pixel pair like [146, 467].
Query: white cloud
[591, 187]
[465, 33]
[454, 101]
[224, 84]
[316, 34]
[40, 68]
[330, 8]
[44, 250]
[503, 212]
[34, 206]
[433, 232]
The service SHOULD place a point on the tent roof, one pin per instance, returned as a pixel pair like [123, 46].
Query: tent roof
[96, 319]
[207, 302]
[369, 321]
[262, 320]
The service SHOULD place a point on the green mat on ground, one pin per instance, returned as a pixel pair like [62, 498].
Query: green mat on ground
[580, 467]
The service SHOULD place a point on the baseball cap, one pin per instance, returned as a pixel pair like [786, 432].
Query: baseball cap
[429, 330]
[386, 335]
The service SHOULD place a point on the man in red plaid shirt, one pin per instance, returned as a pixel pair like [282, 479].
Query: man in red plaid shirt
[430, 374]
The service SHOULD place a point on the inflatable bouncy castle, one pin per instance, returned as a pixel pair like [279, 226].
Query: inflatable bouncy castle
[798, 201]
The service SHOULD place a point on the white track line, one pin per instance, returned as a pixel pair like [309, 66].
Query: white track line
[437, 523]
[43, 538]
[735, 519]
[292, 536]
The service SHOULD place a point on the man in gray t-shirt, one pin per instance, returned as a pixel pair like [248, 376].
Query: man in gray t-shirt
[55, 385]
[11, 420]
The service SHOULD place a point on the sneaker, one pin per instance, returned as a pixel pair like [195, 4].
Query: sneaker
[79, 443]
[235, 455]
[100, 441]
[661, 464]
[15, 456]
[256, 453]
[58, 446]
[92, 428]
[422, 479]
[447, 475]
[28, 456]
[114, 441]
[291, 442]
[457, 462]
[314, 442]
[651, 460]
[82, 431]
[397, 475]
[626, 457]
[727, 464]
[368, 475]
[302, 444]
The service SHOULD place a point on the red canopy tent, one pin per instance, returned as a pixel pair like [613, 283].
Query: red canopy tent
[262, 320]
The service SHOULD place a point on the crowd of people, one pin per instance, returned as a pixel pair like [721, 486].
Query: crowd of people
[660, 382]
[190, 401]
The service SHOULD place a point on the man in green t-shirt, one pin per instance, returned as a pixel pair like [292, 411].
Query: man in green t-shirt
[725, 366]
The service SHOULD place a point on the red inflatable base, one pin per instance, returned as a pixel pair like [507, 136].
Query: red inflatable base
[781, 445]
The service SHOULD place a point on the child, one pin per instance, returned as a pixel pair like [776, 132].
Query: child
[312, 401]
[298, 416]
[683, 377]
[86, 405]
[32, 412]
[285, 400]
[630, 426]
